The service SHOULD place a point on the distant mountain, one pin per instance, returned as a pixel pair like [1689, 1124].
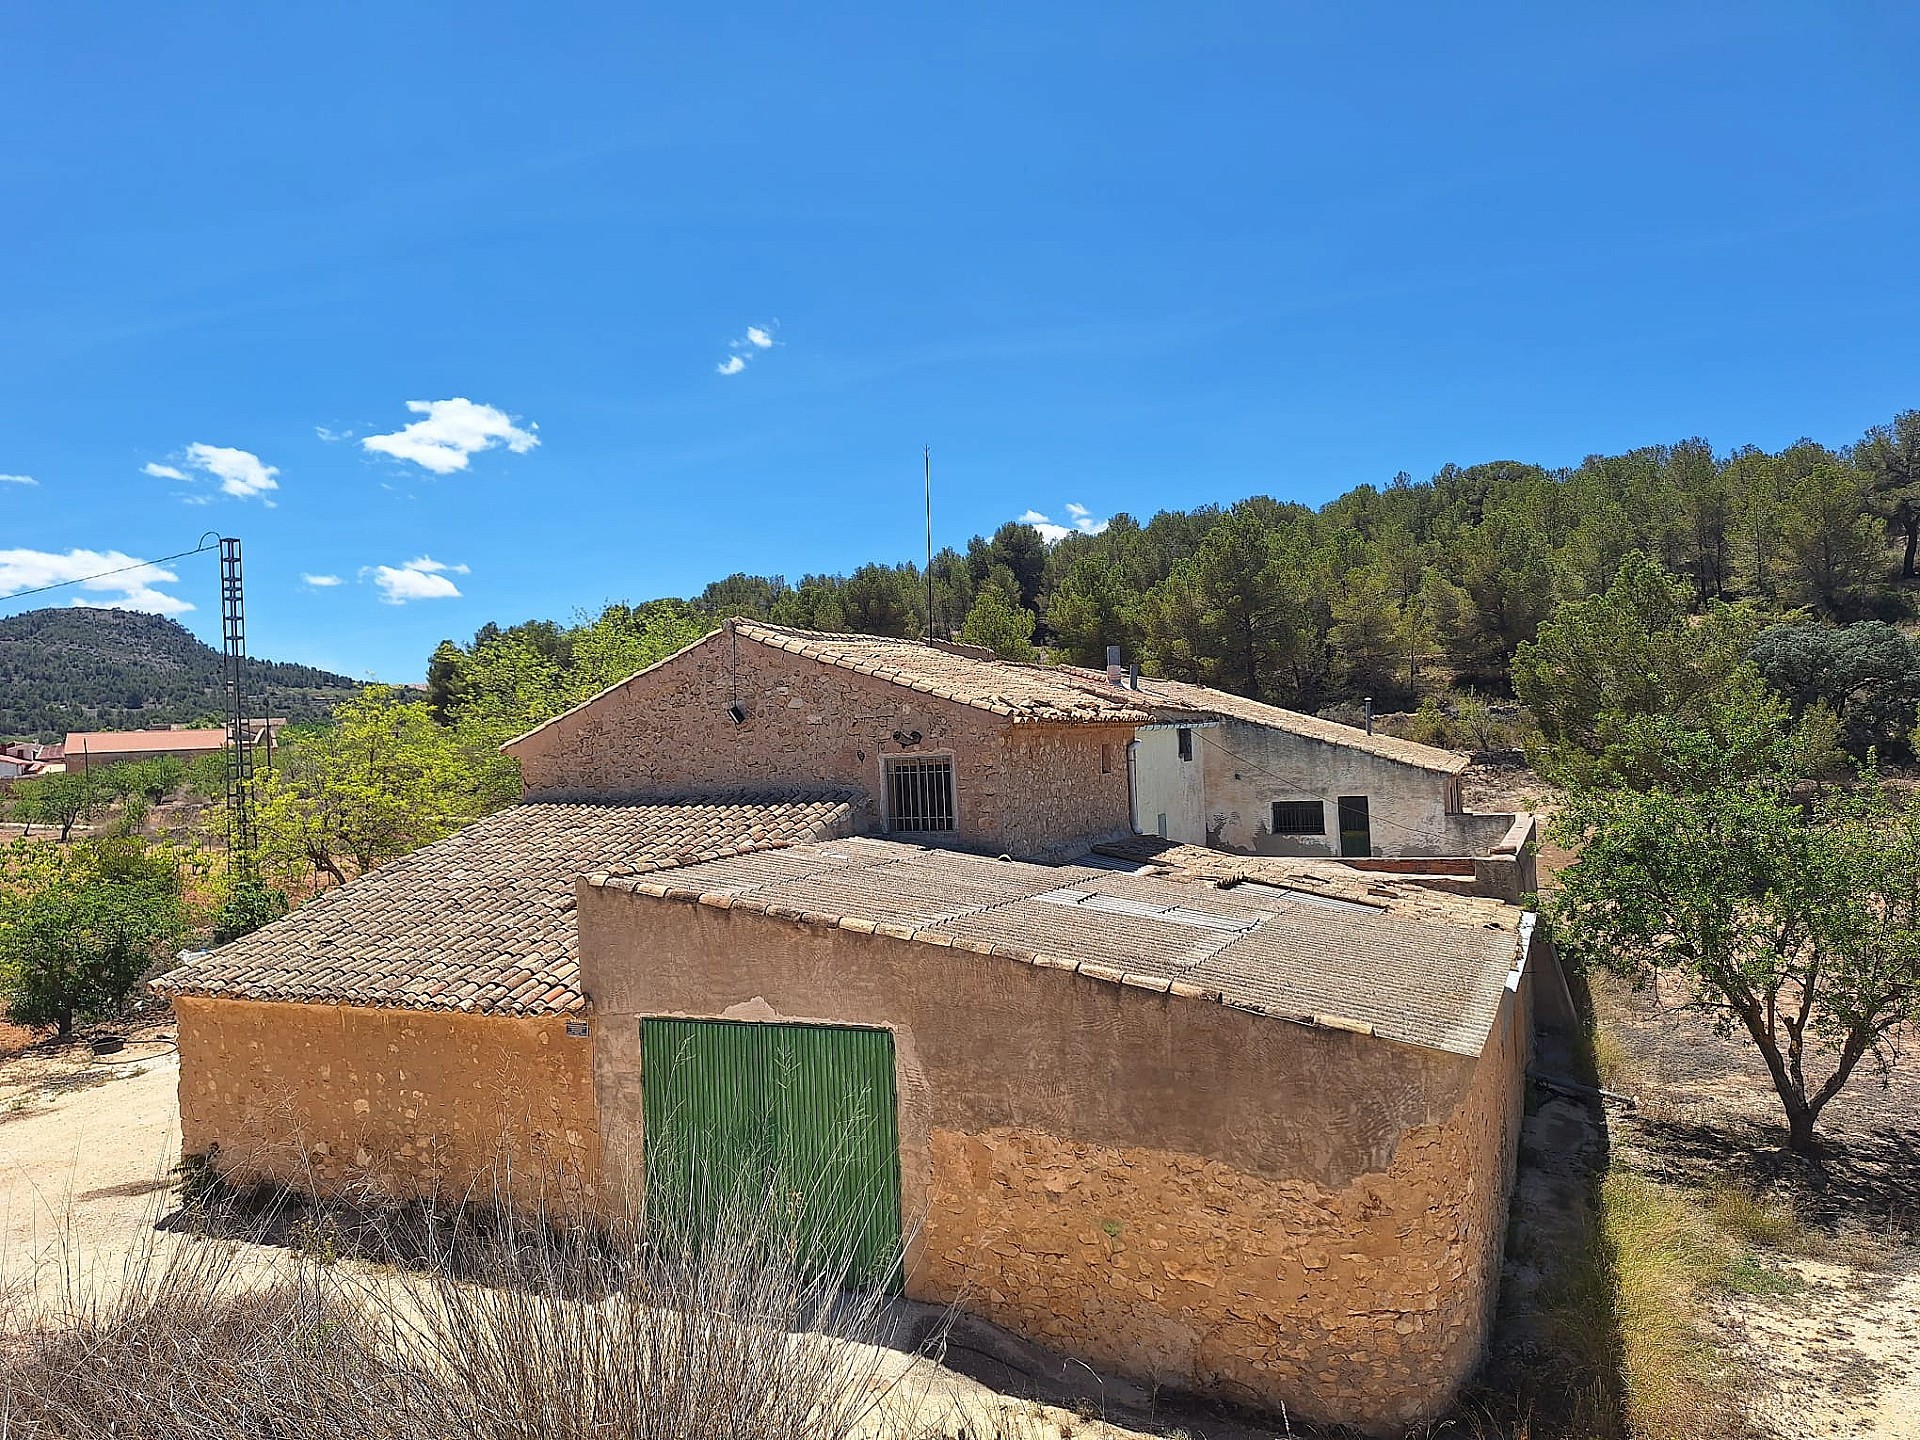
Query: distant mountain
[86, 669]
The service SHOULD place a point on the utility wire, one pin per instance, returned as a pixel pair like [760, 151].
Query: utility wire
[199, 549]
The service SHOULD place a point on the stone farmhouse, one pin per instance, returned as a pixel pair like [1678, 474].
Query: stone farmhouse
[1236, 1123]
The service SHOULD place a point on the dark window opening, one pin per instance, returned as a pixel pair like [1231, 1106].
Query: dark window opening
[1185, 737]
[1299, 817]
[1106, 759]
[920, 795]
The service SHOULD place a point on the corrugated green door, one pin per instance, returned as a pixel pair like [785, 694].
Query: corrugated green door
[792, 1127]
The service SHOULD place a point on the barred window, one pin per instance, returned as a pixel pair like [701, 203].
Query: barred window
[1185, 738]
[920, 794]
[1299, 817]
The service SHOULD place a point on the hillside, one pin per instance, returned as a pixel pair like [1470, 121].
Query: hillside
[87, 669]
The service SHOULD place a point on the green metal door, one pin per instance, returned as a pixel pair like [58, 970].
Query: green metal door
[1356, 834]
[791, 1129]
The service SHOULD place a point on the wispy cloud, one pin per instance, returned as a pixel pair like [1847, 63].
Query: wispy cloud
[320, 582]
[757, 339]
[1082, 520]
[131, 587]
[241, 473]
[332, 435]
[453, 432]
[422, 578]
[18, 480]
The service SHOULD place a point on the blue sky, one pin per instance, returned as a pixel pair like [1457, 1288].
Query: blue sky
[1122, 257]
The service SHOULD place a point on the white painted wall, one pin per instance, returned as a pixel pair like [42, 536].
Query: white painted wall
[1248, 767]
[1166, 785]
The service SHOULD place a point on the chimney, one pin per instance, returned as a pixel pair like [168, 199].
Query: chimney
[1115, 675]
[1133, 676]
[1369, 714]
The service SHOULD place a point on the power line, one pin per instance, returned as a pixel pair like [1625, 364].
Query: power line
[205, 545]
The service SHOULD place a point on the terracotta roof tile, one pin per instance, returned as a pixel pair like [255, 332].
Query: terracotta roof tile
[1170, 701]
[483, 921]
[1020, 692]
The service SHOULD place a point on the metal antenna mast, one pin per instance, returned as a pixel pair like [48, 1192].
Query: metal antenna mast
[926, 461]
[233, 631]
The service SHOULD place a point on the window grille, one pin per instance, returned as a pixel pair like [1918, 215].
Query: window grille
[1299, 817]
[920, 795]
[1185, 737]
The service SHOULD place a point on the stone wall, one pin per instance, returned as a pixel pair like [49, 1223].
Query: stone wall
[337, 1099]
[1283, 1213]
[1032, 790]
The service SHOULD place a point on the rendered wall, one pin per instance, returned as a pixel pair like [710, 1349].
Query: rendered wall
[1033, 790]
[337, 1099]
[1285, 1214]
[1164, 784]
[1248, 767]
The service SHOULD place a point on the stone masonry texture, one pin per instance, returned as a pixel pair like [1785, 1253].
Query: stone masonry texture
[1034, 789]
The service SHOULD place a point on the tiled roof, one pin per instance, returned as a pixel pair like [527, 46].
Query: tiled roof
[1173, 700]
[483, 921]
[128, 742]
[1021, 692]
[1387, 892]
[1309, 959]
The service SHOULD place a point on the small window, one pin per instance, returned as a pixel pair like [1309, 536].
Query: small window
[1185, 737]
[1106, 759]
[1299, 817]
[920, 794]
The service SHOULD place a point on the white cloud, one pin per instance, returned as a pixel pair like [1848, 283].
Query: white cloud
[18, 480]
[331, 435]
[422, 578]
[1053, 534]
[320, 582]
[757, 338]
[453, 431]
[130, 588]
[240, 472]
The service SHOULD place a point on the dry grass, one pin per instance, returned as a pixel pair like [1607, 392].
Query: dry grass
[511, 1329]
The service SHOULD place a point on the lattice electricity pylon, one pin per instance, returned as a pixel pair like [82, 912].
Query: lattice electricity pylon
[233, 632]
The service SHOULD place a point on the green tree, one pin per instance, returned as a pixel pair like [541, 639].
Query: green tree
[1800, 928]
[1092, 608]
[80, 925]
[61, 799]
[383, 780]
[1628, 690]
[1890, 456]
[1241, 603]
[999, 626]
[1832, 551]
[1866, 674]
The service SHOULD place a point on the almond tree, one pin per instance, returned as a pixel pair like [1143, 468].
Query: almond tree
[1798, 925]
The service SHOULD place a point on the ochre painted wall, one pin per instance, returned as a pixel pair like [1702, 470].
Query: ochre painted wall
[1213, 1199]
[1033, 790]
[336, 1099]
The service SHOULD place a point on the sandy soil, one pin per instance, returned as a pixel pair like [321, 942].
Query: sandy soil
[1839, 1354]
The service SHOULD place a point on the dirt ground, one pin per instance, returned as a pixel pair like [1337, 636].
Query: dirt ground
[1838, 1354]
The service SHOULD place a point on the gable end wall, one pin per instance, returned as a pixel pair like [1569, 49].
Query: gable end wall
[1032, 790]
